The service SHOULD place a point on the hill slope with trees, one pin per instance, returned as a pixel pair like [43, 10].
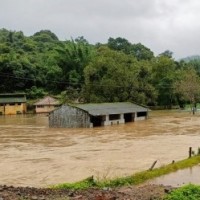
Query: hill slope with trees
[77, 70]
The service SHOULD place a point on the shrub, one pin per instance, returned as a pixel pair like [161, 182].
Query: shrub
[188, 192]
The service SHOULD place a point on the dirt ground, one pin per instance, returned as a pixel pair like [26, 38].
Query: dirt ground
[145, 192]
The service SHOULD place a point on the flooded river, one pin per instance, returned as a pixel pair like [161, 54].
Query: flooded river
[35, 155]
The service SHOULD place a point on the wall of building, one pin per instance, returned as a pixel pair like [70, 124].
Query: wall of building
[13, 109]
[141, 116]
[2, 110]
[44, 109]
[68, 116]
[109, 120]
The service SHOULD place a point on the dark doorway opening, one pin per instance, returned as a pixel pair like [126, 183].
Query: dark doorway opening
[128, 117]
[141, 114]
[114, 117]
[96, 120]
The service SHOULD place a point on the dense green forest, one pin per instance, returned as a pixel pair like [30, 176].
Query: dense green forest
[75, 70]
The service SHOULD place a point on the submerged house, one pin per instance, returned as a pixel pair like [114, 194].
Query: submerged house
[12, 103]
[46, 105]
[101, 114]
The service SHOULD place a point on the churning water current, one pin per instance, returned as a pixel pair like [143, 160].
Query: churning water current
[32, 154]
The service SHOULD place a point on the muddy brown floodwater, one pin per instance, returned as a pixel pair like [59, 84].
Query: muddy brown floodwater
[33, 154]
[179, 178]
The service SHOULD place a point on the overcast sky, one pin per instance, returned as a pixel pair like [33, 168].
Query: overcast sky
[158, 24]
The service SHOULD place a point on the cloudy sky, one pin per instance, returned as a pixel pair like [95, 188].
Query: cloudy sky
[158, 24]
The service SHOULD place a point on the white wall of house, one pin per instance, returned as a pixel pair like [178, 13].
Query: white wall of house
[109, 121]
[44, 109]
[139, 118]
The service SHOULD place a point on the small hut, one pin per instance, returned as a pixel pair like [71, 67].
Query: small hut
[46, 105]
[12, 103]
[101, 114]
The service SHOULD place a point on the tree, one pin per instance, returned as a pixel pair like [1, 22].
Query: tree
[163, 73]
[119, 44]
[195, 64]
[137, 50]
[114, 76]
[141, 52]
[167, 53]
[45, 36]
[72, 59]
[188, 86]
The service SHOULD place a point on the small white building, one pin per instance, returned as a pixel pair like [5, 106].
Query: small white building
[99, 114]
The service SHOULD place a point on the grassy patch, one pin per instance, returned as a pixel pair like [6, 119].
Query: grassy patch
[188, 192]
[84, 184]
[134, 179]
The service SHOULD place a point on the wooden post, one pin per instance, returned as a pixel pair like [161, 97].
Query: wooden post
[152, 166]
[190, 152]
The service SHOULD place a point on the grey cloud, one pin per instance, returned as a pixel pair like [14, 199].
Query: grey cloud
[158, 24]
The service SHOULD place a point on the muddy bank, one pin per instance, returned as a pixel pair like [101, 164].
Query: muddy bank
[146, 192]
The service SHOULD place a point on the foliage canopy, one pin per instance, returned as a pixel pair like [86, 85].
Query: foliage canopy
[116, 71]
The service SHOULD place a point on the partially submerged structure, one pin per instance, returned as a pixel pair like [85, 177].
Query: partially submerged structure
[91, 115]
[12, 103]
[46, 105]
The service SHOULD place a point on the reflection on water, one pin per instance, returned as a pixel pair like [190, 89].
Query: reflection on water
[35, 155]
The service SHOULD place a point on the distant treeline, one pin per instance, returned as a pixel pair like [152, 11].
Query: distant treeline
[75, 70]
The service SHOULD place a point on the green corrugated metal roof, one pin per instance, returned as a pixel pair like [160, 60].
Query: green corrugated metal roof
[111, 108]
[12, 98]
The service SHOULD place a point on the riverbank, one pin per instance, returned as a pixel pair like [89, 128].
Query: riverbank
[135, 179]
[146, 192]
[130, 187]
